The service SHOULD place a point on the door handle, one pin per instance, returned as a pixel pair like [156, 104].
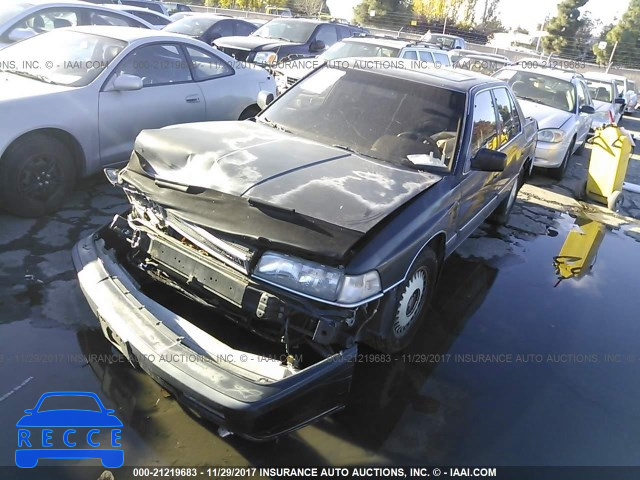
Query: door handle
[193, 99]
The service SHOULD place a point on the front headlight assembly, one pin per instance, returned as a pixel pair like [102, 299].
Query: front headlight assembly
[552, 135]
[317, 281]
[265, 58]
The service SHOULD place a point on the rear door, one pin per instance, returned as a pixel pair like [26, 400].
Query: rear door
[478, 191]
[169, 96]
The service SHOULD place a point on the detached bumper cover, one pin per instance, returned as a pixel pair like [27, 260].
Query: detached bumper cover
[186, 360]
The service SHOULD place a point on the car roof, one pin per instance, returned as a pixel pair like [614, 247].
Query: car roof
[132, 8]
[450, 79]
[384, 42]
[603, 76]
[480, 56]
[446, 35]
[126, 34]
[549, 72]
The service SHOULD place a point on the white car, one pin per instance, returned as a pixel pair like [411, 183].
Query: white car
[608, 105]
[157, 20]
[85, 93]
[26, 18]
[561, 104]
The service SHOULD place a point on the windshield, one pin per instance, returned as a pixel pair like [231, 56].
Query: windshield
[538, 88]
[288, 30]
[632, 85]
[192, 25]
[600, 91]
[61, 57]
[446, 42]
[7, 12]
[355, 49]
[482, 65]
[373, 114]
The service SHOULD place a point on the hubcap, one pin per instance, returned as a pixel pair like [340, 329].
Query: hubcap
[411, 303]
[40, 177]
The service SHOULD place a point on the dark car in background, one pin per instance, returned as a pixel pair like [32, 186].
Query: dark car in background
[286, 38]
[210, 27]
[320, 224]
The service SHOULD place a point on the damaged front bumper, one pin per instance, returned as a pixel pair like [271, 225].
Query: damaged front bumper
[249, 395]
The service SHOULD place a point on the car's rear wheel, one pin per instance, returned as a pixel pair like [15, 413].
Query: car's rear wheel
[36, 175]
[501, 214]
[412, 300]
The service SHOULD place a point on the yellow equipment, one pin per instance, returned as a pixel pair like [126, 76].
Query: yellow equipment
[579, 251]
[608, 165]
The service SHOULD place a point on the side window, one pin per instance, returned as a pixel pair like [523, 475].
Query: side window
[206, 65]
[156, 65]
[582, 99]
[223, 28]
[425, 56]
[96, 17]
[484, 129]
[244, 28]
[152, 19]
[345, 32]
[510, 126]
[328, 34]
[585, 92]
[442, 59]
[410, 54]
[50, 19]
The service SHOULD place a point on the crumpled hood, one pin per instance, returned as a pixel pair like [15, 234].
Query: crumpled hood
[547, 117]
[252, 42]
[258, 162]
[13, 87]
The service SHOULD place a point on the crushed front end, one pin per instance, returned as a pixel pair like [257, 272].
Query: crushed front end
[305, 375]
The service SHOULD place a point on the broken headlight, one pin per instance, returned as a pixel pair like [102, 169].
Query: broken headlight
[316, 280]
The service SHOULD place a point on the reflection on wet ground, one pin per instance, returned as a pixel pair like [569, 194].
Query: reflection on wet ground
[529, 355]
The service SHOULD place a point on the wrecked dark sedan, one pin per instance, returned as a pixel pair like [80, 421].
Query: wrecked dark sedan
[317, 226]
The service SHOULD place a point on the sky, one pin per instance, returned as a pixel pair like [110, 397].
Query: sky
[517, 13]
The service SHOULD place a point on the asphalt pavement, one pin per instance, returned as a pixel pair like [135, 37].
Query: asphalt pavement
[528, 357]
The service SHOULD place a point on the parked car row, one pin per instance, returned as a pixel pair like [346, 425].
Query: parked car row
[317, 221]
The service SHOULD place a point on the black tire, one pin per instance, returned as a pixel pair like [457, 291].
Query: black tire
[558, 173]
[249, 112]
[500, 215]
[412, 299]
[36, 175]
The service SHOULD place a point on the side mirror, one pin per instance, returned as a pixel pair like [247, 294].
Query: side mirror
[317, 46]
[19, 34]
[264, 99]
[587, 109]
[619, 101]
[487, 160]
[127, 83]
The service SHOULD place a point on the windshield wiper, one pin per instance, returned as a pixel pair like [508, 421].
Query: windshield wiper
[273, 124]
[353, 150]
[33, 76]
[534, 100]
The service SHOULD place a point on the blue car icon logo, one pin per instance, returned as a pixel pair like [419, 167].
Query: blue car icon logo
[69, 433]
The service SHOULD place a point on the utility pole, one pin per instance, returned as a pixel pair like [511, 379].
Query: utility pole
[544, 22]
[611, 57]
[444, 28]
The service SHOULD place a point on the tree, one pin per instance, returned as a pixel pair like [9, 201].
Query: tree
[308, 7]
[627, 33]
[388, 13]
[469, 12]
[562, 29]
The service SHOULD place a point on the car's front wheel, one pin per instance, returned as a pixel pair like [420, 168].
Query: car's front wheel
[36, 175]
[558, 172]
[412, 300]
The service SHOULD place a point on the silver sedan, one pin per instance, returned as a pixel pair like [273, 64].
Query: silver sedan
[79, 97]
[23, 19]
